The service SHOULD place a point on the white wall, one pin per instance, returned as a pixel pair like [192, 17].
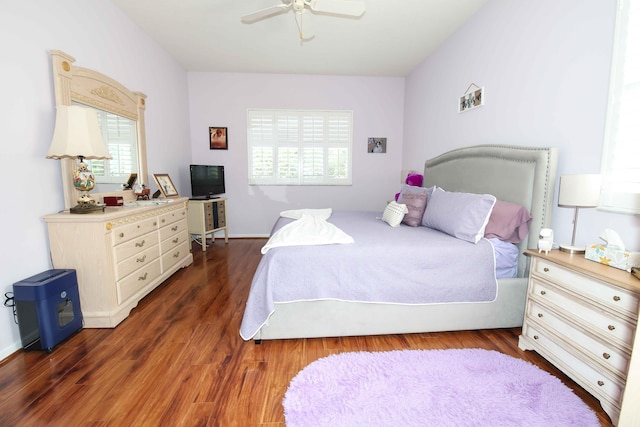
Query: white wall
[99, 36]
[545, 68]
[222, 100]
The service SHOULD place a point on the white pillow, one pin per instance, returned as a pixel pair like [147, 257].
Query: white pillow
[461, 215]
[394, 213]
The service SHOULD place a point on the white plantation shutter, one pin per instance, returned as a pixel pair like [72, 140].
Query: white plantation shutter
[119, 135]
[299, 147]
[621, 156]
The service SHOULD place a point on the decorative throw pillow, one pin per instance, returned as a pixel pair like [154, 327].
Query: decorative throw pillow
[509, 222]
[416, 200]
[393, 213]
[461, 215]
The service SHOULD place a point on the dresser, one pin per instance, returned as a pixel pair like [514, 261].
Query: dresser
[582, 316]
[120, 255]
[206, 217]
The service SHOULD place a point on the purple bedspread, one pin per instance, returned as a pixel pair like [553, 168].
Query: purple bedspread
[407, 265]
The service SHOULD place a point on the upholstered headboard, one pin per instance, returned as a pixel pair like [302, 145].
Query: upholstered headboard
[523, 175]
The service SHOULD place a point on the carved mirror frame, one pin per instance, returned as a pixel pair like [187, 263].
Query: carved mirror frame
[89, 87]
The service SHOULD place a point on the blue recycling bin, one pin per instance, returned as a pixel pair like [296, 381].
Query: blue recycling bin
[48, 308]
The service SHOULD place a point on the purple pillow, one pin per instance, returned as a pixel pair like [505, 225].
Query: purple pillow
[416, 200]
[461, 215]
[509, 222]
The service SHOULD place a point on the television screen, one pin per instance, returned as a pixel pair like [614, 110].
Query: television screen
[207, 181]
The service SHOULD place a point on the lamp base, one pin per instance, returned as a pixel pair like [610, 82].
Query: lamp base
[573, 249]
[85, 208]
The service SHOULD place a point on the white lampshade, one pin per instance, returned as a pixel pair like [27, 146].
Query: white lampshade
[581, 191]
[76, 134]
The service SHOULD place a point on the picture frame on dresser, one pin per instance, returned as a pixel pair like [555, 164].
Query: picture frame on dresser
[165, 185]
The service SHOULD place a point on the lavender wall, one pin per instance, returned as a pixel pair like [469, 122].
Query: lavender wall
[222, 100]
[99, 36]
[545, 68]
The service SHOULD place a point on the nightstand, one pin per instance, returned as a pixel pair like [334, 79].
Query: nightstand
[582, 316]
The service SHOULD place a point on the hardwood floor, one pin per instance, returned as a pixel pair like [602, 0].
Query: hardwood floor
[178, 359]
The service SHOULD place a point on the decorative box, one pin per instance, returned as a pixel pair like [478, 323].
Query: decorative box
[113, 200]
[617, 258]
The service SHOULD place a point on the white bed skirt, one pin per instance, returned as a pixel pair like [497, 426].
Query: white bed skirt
[330, 318]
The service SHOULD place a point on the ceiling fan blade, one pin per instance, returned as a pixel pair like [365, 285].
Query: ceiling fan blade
[338, 7]
[265, 13]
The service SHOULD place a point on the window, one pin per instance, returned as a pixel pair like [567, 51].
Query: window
[621, 154]
[119, 135]
[299, 147]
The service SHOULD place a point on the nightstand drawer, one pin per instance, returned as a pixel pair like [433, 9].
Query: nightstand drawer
[594, 380]
[604, 354]
[605, 323]
[596, 290]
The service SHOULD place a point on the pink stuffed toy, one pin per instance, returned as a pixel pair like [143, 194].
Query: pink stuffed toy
[413, 179]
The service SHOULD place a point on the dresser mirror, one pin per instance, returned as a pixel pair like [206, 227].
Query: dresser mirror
[121, 115]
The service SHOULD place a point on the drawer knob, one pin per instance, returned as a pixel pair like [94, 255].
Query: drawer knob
[611, 327]
[616, 298]
[141, 244]
[600, 383]
[141, 259]
[121, 235]
[176, 255]
[546, 269]
[163, 220]
[176, 240]
[174, 228]
[543, 292]
[535, 337]
[143, 277]
[606, 355]
[540, 315]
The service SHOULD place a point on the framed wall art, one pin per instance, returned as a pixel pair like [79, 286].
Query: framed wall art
[218, 139]
[377, 145]
[472, 98]
[165, 185]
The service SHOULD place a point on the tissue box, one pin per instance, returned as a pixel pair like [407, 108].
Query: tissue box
[617, 258]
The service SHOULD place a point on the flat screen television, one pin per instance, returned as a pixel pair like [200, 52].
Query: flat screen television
[207, 181]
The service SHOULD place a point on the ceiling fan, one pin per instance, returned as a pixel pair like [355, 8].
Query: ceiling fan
[354, 8]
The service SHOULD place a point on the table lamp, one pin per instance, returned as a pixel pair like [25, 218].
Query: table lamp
[77, 134]
[578, 191]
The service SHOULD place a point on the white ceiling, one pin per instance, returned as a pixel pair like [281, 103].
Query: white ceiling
[390, 39]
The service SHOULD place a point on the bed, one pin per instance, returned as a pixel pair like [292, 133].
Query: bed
[519, 175]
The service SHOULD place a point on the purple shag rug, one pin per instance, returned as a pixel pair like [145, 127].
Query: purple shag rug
[469, 387]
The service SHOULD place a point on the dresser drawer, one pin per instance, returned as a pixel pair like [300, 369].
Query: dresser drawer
[174, 255]
[599, 291]
[171, 229]
[594, 380]
[610, 357]
[173, 241]
[137, 280]
[173, 216]
[140, 259]
[131, 231]
[607, 324]
[130, 247]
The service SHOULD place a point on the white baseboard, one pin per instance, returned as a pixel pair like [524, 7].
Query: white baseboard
[8, 351]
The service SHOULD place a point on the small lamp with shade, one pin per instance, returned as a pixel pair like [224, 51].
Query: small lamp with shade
[77, 135]
[578, 191]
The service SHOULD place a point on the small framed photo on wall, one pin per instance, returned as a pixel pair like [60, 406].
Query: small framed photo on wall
[218, 139]
[377, 145]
